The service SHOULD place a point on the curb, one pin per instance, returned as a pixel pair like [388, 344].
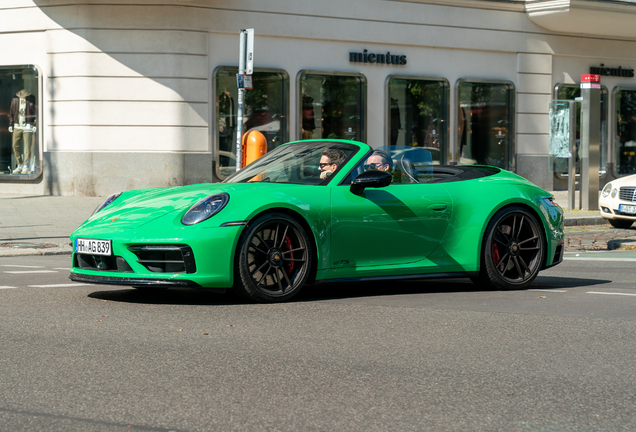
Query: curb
[585, 220]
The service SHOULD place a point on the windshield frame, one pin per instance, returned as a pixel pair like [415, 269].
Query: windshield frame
[259, 166]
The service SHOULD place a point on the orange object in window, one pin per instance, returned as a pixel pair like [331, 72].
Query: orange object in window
[254, 145]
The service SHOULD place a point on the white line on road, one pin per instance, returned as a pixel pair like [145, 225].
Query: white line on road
[7, 287]
[22, 266]
[610, 293]
[58, 285]
[547, 290]
[597, 259]
[61, 268]
[30, 271]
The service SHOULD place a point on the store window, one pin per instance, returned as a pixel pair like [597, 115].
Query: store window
[332, 105]
[417, 111]
[625, 130]
[19, 123]
[571, 92]
[485, 132]
[265, 109]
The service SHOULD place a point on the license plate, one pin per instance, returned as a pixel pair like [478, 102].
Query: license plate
[624, 208]
[93, 246]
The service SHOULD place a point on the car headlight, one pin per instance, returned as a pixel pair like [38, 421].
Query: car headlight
[106, 202]
[614, 192]
[205, 209]
[606, 190]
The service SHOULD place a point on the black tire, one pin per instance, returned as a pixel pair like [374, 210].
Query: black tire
[513, 250]
[620, 223]
[274, 259]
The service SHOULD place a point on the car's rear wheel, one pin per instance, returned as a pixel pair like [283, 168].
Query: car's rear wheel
[274, 259]
[513, 250]
[621, 223]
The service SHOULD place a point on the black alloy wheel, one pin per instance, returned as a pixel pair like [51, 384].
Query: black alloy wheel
[513, 251]
[274, 259]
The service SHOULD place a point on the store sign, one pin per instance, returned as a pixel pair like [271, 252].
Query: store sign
[366, 57]
[615, 72]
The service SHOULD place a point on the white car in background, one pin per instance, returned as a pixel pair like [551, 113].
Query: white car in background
[618, 202]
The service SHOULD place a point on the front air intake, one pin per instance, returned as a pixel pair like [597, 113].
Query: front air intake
[165, 258]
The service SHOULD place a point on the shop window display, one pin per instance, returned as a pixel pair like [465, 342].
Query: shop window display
[418, 114]
[265, 109]
[19, 149]
[625, 130]
[571, 92]
[332, 106]
[485, 123]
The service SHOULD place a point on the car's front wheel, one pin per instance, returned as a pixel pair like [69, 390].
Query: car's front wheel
[513, 250]
[274, 259]
[620, 223]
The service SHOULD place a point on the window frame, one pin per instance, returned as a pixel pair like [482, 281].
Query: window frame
[512, 118]
[446, 112]
[299, 102]
[215, 111]
[39, 135]
[610, 154]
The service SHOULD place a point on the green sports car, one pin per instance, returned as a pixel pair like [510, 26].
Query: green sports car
[319, 211]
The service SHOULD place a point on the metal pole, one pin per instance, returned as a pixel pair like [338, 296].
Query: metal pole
[241, 90]
[572, 158]
[590, 144]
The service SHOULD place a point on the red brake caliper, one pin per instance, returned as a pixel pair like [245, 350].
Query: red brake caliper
[495, 254]
[287, 244]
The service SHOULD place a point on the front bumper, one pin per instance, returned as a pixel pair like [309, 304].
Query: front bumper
[212, 250]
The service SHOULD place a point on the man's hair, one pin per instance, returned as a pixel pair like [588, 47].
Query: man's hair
[335, 156]
[386, 158]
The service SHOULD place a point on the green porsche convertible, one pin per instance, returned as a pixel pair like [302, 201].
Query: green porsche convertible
[319, 211]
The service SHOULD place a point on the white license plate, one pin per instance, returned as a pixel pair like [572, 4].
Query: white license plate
[93, 246]
[624, 208]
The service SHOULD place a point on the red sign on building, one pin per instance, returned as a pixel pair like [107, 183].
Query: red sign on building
[591, 78]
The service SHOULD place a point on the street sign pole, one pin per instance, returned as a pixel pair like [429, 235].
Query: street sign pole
[246, 61]
[590, 140]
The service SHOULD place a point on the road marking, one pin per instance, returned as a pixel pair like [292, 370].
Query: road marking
[58, 285]
[610, 293]
[597, 259]
[30, 271]
[547, 290]
[62, 268]
[22, 266]
[7, 287]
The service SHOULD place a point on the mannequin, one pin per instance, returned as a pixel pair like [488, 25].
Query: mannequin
[22, 121]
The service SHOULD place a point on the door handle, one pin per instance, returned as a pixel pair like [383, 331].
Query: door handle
[437, 207]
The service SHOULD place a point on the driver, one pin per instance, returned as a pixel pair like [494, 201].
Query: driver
[330, 159]
[379, 160]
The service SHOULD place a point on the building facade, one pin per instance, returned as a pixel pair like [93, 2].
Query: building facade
[101, 96]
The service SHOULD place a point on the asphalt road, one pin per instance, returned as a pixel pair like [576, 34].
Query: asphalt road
[440, 355]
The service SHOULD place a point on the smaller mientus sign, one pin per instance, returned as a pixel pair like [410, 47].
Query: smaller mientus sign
[383, 58]
[612, 71]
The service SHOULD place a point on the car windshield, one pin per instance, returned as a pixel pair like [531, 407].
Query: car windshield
[305, 162]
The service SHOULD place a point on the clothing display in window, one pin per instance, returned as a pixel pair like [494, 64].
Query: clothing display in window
[22, 123]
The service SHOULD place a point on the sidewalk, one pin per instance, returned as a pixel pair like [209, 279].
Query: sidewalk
[41, 225]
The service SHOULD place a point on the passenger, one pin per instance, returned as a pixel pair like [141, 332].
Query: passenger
[330, 159]
[379, 160]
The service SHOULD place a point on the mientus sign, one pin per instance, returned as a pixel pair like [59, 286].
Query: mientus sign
[615, 72]
[366, 57]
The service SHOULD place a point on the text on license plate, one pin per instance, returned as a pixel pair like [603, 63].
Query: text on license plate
[92, 246]
[624, 208]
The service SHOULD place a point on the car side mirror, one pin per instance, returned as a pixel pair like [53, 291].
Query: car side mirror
[375, 179]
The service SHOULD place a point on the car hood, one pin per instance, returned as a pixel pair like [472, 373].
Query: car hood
[139, 207]
[624, 181]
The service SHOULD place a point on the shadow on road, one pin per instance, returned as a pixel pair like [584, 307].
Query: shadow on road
[334, 291]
